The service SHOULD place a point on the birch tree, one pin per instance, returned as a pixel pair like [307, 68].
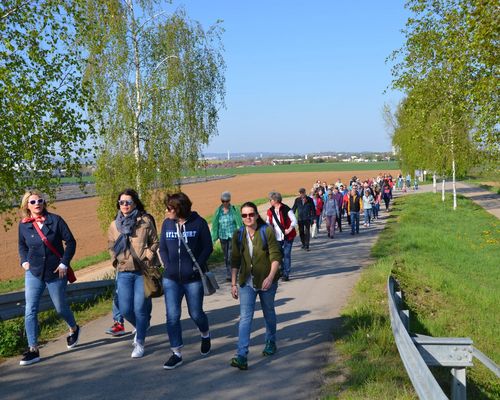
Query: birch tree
[159, 84]
[43, 127]
[437, 56]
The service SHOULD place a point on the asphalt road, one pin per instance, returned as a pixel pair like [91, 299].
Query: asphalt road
[308, 308]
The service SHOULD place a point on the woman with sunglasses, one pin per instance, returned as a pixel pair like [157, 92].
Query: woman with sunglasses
[226, 220]
[132, 244]
[255, 266]
[44, 268]
[184, 236]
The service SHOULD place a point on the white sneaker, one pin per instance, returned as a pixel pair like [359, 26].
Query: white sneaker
[138, 351]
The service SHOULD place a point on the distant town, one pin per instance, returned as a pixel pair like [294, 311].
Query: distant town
[231, 160]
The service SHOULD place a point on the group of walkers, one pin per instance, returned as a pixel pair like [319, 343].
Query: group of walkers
[257, 252]
[331, 203]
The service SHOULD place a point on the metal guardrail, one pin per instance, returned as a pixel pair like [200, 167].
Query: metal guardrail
[421, 377]
[419, 351]
[12, 304]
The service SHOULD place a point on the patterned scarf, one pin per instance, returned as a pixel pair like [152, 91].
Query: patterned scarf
[125, 225]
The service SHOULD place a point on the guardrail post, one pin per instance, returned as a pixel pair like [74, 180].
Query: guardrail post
[458, 384]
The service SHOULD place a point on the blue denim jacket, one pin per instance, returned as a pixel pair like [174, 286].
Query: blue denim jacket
[31, 248]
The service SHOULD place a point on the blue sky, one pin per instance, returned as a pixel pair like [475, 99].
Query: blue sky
[304, 76]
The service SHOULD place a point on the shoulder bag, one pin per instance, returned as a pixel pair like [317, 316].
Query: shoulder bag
[208, 280]
[153, 285]
[70, 274]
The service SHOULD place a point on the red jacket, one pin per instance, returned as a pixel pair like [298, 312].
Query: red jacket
[284, 219]
[319, 206]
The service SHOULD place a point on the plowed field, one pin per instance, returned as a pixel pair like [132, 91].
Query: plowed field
[82, 218]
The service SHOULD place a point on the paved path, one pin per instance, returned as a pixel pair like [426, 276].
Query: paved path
[308, 308]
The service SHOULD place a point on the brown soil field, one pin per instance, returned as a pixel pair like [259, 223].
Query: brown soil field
[82, 218]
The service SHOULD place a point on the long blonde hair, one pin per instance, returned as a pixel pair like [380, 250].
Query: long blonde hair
[25, 212]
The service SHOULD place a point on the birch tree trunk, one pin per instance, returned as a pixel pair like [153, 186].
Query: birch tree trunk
[138, 96]
[434, 183]
[442, 191]
[454, 184]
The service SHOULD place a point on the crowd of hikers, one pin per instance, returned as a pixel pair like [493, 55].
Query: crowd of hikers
[257, 254]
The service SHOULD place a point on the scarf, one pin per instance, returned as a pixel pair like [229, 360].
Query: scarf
[40, 218]
[125, 225]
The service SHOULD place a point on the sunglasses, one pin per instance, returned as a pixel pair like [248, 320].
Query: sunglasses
[249, 215]
[39, 201]
[125, 202]
[224, 201]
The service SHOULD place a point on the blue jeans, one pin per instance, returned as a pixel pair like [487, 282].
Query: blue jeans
[115, 309]
[248, 298]
[174, 292]
[354, 221]
[368, 215]
[133, 304]
[117, 317]
[33, 290]
[286, 249]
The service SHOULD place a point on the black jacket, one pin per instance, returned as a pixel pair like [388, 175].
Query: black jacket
[306, 211]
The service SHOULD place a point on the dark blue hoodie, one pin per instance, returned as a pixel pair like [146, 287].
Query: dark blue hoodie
[179, 266]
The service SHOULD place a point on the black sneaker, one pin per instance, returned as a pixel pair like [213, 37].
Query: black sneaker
[205, 346]
[30, 357]
[73, 337]
[173, 362]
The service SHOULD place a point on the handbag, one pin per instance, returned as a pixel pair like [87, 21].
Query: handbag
[153, 284]
[208, 280]
[314, 230]
[70, 274]
[152, 277]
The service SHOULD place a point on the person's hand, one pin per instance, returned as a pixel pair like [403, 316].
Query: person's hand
[234, 291]
[61, 270]
[266, 283]
[26, 265]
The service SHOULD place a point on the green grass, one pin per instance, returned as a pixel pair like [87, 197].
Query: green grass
[447, 264]
[313, 167]
[271, 169]
[90, 260]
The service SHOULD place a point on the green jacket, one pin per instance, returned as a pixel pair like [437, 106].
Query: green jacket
[215, 221]
[261, 260]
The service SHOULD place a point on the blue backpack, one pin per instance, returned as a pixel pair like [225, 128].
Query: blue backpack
[262, 231]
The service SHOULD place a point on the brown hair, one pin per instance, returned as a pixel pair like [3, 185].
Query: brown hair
[180, 203]
[25, 212]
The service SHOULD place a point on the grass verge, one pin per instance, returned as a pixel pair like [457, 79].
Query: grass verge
[447, 265]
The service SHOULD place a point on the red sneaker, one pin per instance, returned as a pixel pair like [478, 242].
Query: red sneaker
[118, 329]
